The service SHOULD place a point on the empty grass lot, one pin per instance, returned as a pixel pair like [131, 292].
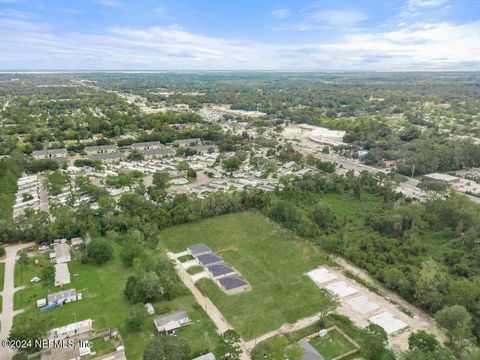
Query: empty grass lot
[102, 287]
[25, 272]
[270, 260]
[331, 345]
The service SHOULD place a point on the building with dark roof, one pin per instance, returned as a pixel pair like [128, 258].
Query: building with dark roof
[209, 259]
[199, 249]
[220, 270]
[233, 284]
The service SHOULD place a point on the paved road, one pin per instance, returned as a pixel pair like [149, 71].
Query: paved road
[6, 317]
[212, 311]
[408, 187]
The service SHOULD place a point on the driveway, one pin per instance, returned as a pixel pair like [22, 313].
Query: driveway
[6, 317]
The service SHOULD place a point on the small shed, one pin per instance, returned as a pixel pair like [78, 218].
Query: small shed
[150, 309]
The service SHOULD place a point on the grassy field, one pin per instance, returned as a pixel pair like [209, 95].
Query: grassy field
[24, 272]
[266, 256]
[331, 345]
[103, 301]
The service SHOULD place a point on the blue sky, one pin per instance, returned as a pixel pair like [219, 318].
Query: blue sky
[240, 35]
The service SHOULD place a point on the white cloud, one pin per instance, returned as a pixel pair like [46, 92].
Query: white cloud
[281, 13]
[111, 3]
[331, 18]
[31, 45]
[426, 3]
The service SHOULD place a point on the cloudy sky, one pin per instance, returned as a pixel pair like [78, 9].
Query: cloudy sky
[240, 35]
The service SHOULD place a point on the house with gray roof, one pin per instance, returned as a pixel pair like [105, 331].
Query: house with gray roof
[158, 152]
[199, 249]
[170, 322]
[309, 352]
[100, 149]
[49, 153]
[148, 145]
[62, 297]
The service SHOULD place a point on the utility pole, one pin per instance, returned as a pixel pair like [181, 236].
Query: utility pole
[413, 170]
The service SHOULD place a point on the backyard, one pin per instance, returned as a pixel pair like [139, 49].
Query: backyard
[264, 253]
[332, 345]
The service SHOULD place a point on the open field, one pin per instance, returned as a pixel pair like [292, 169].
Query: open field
[270, 261]
[102, 287]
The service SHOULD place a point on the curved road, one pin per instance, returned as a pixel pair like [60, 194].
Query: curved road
[6, 317]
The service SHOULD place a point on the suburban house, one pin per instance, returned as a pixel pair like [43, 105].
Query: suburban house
[62, 253]
[170, 322]
[70, 330]
[62, 297]
[198, 249]
[62, 274]
[50, 153]
[100, 149]
[150, 145]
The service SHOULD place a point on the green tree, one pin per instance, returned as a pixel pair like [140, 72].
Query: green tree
[456, 321]
[165, 347]
[48, 275]
[423, 341]
[137, 316]
[231, 344]
[231, 164]
[100, 250]
[29, 330]
[430, 286]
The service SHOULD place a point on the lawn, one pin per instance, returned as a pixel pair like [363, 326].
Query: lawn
[270, 260]
[195, 270]
[332, 345]
[103, 301]
[25, 272]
